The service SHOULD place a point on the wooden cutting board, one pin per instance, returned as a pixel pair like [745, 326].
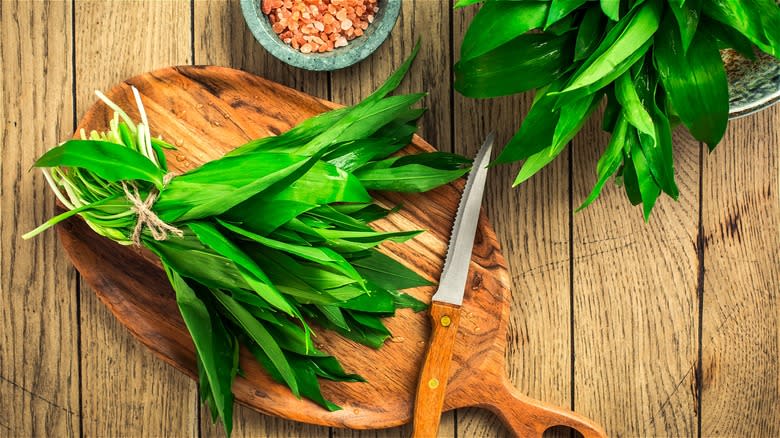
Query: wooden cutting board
[206, 111]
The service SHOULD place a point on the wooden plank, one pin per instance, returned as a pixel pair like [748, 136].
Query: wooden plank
[532, 223]
[635, 302]
[126, 390]
[39, 374]
[223, 38]
[429, 22]
[741, 308]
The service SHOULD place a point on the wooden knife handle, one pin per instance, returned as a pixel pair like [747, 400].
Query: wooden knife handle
[435, 371]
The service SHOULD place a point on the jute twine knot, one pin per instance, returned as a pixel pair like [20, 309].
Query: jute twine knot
[146, 217]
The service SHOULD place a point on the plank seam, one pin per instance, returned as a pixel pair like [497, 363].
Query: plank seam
[74, 114]
[700, 242]
[571, 280]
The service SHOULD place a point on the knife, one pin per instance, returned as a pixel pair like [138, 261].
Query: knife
[446, 302]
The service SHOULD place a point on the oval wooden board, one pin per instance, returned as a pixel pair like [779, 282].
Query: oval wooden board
[206, 111]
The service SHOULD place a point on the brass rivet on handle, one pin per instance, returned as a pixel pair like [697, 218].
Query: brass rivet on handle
[433, 383]
[446, 321]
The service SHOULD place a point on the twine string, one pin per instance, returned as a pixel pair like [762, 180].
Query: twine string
[146, 217]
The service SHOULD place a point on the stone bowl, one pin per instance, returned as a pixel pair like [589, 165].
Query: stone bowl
[357, 49]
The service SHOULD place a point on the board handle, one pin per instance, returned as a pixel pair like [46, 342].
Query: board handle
[435, 371]
[529, 418]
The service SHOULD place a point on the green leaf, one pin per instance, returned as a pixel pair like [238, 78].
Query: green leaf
[408, 178]
[630, 181]
[527, 62]
[758, 20]
[611, 9]
[110, 161]
[211, 237]
[219, 185]
[214, 347]
[322, 184]
[499, 22]
[191, 259]
[281, 212]
[687, 16]
[320, 255]
[590, 30]
[729, 38]
[255, 330]
[635, 112]
[536, 131]
[387, 273]
[572, 117]
[695, 82]
[619, 50]
[560, 9]
[334, 315]
[610, 160]
[362, 121]
[648, 189]
[351, 155]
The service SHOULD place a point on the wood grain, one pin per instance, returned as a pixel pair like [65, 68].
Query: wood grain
[741, 307]
[532, 222]
[222, 38]
[428, 22]
[635, 305]
[39, 373]
[126, 390]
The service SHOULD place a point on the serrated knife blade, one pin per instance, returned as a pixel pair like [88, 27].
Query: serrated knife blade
[452, 283]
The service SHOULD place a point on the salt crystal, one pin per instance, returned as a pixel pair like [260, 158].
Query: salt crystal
[306, 48]
[340, 42]
[346, 24]
[319, 26]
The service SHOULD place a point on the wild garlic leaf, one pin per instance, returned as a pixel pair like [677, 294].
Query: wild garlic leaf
[695, 82]
[611, 9]
[218, 186]
[260, 335]
[213, 345]
[408, 178]
[648, 189]
[314, 254]
[386, 272]
[524, 63]
[618, 51]
[609, 162]
[728, 37]
[572, 117]
[323, 183]
[635, 112]
[536, 131]
[560, 9]
[211, 237]
[499, 22]
[687, 16]
[108, 160]
[758, 20]
[589, 33]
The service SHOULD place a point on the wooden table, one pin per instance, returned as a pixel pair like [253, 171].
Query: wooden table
[661, 329]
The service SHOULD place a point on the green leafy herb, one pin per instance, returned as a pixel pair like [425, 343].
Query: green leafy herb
[657, 61]
[268, 240]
